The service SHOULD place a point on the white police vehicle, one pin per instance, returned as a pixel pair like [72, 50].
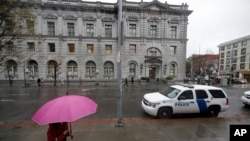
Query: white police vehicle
[246, 98]
[186, 99]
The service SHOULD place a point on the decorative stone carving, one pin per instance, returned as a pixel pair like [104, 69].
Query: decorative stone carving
[69, 17]
[89, 18]
[132, 18]
[108, 19]
[153, 20]
[49, 16]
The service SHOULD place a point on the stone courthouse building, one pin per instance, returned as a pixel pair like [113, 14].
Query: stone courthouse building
[80, 38]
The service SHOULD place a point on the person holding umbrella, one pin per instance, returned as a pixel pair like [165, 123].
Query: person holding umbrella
[58, 131]
[56, 111]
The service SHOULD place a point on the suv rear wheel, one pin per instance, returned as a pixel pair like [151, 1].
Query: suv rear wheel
[213, 111]
[165, 113]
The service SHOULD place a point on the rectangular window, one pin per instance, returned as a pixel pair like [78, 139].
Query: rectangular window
[242, 66]
[233, 66]
[108, 49]
[11, 49]
[132, 30]
[71, 47]
[90, 48]
[228, 47]
[244, 43]
[173, 32]
[221, 67]
[51, 28]
[222, 48]
[173, 50]
[222, 61]
[235, 45]
[235, 52]
[234, 60]
[71, 29]
[243, 51]
[30, 26]
[228, 61]
[228, 53]
[132, 48]
[222, 55]
[108, 31]
[90, 30]
[52, 47]
[153, 29]
[31, 46]
[243, 59]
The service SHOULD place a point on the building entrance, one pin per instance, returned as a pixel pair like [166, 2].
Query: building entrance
[152, 71]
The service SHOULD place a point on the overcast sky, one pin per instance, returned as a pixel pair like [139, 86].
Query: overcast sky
[212, 22]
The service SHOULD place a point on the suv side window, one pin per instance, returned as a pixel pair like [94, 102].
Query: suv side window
[186, 95]
[201, 94]
[217, 93]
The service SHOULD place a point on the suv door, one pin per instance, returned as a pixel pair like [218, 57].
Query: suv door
[202, 100]
[185, 103]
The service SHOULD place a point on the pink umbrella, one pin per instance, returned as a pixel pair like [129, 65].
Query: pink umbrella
[64, 109]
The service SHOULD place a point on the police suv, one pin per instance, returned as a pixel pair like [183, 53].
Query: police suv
[186, 99]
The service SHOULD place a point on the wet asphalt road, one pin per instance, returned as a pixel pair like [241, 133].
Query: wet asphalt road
[18, 104]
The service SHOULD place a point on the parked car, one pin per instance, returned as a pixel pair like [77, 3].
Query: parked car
[246, 98]
[239, 81]
[186, 99]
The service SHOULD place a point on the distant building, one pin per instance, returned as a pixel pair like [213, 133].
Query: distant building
[80, 38]
[235, 58]
[204, 65]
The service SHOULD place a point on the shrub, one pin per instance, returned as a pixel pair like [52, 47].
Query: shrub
[144, 78]
[170, 77]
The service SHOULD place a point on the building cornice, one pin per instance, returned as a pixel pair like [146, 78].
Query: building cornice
[154, 6]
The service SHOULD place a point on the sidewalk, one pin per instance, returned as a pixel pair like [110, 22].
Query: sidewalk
[195, 129]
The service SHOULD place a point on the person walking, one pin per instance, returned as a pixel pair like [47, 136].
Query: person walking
[132, 80]
[39, 82]
[126, 82]
[58, 132]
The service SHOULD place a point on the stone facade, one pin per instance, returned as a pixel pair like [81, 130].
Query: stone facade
[78, 40]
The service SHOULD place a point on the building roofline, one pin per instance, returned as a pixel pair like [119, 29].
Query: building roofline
[235, 40]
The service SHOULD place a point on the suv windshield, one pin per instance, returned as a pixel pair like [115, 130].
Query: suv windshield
[170, 92]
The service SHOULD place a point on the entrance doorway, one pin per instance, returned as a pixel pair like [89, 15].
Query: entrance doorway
[152, 71]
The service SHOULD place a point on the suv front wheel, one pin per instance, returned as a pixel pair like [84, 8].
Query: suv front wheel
[164, 113]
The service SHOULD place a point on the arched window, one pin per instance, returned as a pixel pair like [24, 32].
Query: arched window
[33, 68]
[172, 70]
[132, 69]
[72, 69]
[11, 69]
[90, 69]
[108, 69]
[52, 66]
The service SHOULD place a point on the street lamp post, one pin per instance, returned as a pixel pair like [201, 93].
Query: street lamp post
[27, 77]
[96, 82]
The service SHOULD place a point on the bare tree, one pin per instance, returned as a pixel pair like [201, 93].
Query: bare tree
[16, 23]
